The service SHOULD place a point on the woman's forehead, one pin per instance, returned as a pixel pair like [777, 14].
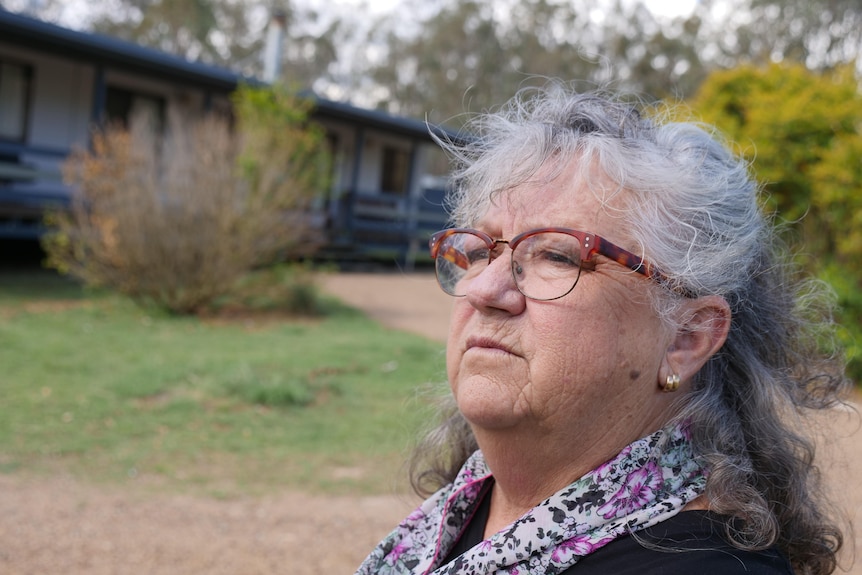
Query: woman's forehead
[569, 196]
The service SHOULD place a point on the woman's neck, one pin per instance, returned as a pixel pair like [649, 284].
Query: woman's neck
[530, 467]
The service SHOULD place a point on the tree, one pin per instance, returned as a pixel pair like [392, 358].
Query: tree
[802, 131]
[445, 66]
[658, 61]
[446, 56]
[228, 33]
[218, 32]
[473, 55]
[821, 34]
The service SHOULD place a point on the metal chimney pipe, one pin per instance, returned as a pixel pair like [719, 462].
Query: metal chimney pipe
[272, 49]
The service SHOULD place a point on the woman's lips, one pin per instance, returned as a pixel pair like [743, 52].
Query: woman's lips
[476, 342]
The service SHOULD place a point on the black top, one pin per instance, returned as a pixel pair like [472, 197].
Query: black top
[690, 543]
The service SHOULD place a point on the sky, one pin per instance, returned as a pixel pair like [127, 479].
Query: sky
[671, 8]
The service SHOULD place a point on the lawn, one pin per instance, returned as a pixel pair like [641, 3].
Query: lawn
[96, 387]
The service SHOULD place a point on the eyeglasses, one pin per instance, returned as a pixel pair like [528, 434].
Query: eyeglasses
[546, 262]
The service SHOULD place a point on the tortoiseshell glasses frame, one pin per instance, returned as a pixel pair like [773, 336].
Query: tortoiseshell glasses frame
[546, 263]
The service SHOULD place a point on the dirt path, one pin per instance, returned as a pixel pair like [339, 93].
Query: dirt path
[59, 526]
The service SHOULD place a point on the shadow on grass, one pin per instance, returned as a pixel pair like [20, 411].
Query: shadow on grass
[33, 284]
[23, 277]
[38, 284]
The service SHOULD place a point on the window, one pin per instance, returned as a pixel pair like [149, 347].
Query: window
[122, 105]
[14, 95]
[396, 169]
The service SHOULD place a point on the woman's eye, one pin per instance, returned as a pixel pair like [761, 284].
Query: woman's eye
[558, 258]
[477, 255]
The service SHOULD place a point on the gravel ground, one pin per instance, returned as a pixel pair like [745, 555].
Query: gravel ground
[57, 525]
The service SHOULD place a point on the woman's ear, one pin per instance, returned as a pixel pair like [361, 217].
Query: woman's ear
[702, 331]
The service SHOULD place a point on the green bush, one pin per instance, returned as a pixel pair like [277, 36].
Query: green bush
[801, 131]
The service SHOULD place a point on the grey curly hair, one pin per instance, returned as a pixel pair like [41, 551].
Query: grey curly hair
[692, 206]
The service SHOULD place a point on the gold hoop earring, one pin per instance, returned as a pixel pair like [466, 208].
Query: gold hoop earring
[671, 384]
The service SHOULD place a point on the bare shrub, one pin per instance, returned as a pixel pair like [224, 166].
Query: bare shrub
[176, 220]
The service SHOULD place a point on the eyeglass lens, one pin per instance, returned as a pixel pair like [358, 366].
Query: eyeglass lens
[545, 265]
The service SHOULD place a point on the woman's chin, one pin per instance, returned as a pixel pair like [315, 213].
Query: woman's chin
[485, 406]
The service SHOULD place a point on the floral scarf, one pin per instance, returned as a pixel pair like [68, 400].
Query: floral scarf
[649, 481]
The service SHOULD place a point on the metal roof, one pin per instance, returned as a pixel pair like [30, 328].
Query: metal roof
[375, 118]
[27, 32]
[38, 35]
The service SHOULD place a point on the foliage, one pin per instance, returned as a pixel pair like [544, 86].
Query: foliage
[444, 57]
[225, 32]
[212, 31]
[108, 391]
[469, 45]
[228, 33]
[803, 132]
[473, 55]
[821, 34]
[177, 220]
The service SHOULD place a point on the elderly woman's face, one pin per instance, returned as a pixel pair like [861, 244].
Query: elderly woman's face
[584, 363]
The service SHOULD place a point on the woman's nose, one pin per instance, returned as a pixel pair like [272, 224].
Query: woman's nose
[495, 288]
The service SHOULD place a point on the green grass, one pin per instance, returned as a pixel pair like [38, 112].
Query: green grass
[94, 386]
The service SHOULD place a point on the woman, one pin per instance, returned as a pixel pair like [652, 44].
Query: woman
[627, 357]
